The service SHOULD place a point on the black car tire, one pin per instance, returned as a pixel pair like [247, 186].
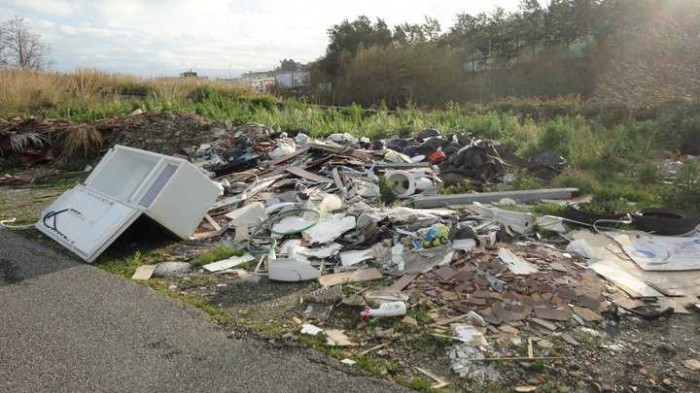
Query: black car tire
[668, 222]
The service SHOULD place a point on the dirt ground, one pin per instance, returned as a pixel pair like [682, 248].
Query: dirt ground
[623, 353]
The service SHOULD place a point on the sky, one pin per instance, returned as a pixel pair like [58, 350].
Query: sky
[218, 38]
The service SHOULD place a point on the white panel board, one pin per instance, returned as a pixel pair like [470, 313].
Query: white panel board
[85, 221]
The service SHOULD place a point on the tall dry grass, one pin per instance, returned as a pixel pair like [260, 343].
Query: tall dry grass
[28, 92]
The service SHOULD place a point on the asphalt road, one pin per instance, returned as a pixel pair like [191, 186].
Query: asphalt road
[66, 326]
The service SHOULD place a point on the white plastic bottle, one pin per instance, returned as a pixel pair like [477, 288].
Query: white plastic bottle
[391, 309]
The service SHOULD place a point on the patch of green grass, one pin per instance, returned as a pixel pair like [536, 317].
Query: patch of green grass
[216, 313]
[219, 315]
[318, 343]
[377, 365]
[525, 181]
[121, 267]
[420, 384]
[420, 313]
[386, 192]
[216, 254]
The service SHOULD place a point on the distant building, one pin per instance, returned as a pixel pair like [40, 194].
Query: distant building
[293, 79]
[260, 82]
[188, 74]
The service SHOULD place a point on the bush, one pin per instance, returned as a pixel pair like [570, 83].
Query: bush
[684, 193]
[555, 136]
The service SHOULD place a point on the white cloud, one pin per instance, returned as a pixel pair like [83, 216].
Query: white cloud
[154, 37]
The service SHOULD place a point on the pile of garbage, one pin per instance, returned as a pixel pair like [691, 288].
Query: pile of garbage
[343, 210]
[305, 209]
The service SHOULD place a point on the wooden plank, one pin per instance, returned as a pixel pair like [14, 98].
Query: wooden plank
[357, 276]
[439, 381]
[634, 287]
[213, 223]
[144, 272]
[403, 282]
[303, 173]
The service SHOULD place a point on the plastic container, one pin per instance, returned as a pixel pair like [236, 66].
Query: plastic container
[392, 309]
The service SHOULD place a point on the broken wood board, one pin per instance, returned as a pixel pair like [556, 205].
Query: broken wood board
[213, 223]
[633, 286]
[357, 276]
[303, 173]
[337, 338]
[144, 272]
[516, 264]
[625, 302]
[544, 324]
[403, 282]
[208, 235]
[587, 315]
[439, 381]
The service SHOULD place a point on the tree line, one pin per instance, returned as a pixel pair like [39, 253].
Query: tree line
[585, 47]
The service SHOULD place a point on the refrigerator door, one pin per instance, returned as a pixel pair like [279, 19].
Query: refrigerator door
[86, 222]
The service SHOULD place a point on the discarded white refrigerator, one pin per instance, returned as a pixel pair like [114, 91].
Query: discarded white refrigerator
[126, 183]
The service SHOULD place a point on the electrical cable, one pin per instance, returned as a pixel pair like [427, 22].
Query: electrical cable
[6, 224]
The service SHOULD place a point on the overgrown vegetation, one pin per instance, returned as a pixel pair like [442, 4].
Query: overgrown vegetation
[611, 151]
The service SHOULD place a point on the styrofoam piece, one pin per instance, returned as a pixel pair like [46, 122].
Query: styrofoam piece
[464, 244]
[291, 270]
[310, 329]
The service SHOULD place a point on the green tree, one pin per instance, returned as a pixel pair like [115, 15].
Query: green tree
[347, 37]
[560, 24]
[532, 24]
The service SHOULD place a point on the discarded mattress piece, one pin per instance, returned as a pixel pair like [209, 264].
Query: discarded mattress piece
[124, 185]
